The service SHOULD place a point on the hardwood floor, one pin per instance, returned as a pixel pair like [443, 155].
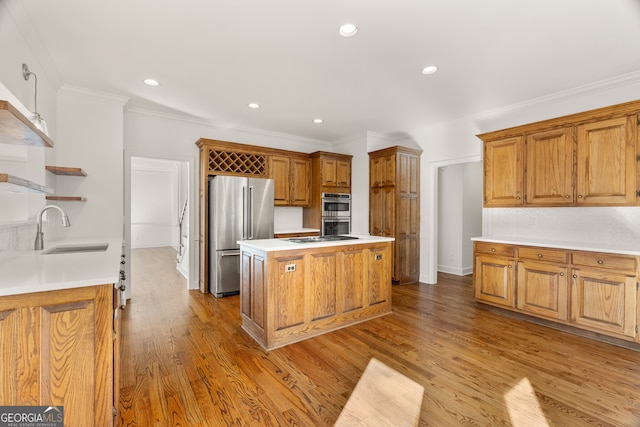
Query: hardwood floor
[187, 362]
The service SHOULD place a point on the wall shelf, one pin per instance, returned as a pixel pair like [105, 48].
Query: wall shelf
[19, 185]
[67, 198]
[62, 170]
[16, 128]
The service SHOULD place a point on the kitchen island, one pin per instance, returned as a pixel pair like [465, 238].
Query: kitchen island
[294, 290]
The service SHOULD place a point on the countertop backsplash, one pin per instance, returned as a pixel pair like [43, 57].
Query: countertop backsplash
[581, 225]
[17, 237]
[287, 218]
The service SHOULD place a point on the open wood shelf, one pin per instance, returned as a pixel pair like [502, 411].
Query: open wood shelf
[19, 185]
[67, 198]
[15, 128]
[62, 170]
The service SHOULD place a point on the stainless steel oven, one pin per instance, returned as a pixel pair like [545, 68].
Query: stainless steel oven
[333, 226]
[336, 205]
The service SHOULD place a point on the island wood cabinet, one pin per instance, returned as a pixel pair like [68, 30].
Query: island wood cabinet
[589, 290]
[287, 296]
[291, 178]
[394, 207]
[57, 348]
[586, 159]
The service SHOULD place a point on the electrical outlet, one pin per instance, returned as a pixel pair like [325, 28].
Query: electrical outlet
[290, 267]
[378, 257]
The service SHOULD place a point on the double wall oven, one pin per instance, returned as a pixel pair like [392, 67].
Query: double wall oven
[336, 214]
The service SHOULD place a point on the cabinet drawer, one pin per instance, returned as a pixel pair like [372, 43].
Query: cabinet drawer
[600, 260]
[544, 254]
[495, 248]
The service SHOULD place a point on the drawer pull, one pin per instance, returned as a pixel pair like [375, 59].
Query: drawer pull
[600, 261]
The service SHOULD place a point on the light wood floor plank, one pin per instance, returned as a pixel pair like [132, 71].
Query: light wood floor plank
[186, 361]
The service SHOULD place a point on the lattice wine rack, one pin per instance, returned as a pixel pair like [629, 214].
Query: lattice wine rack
[237, 162]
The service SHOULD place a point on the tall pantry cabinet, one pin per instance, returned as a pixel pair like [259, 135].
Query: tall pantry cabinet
[394, 207]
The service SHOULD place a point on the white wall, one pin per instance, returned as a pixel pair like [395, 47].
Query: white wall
[472, 211]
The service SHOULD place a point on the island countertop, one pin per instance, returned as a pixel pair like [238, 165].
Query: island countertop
[30, 271]
[269, 245]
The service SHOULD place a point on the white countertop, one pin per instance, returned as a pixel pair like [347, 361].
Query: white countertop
[30, 271]
[268, 245]
[615, 248]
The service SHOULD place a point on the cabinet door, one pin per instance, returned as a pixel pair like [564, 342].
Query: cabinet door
[382, 171]
[606, 162]
[503, 172]
[351, 280]
[407, 250]
[343, 173]
[604, 301]
[381, 211]
[549, 172]
[329, 172]
[279, 171]
[494, 280]
[543, 289]
[300, 182]
[379, 276]
[322, 286]
[288, 294]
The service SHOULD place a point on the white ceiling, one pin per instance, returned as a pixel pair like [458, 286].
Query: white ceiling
[212, 57]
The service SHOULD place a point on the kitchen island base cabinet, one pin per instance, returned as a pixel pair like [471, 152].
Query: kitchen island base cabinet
[287, 296]
[56, 348]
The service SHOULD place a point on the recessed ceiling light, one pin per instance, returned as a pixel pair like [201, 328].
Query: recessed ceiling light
[429, 70]
[318, 120]
[151, 82]
[253, 105]
[348, 30]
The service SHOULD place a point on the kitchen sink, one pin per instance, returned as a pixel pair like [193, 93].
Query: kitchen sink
[74, 249]
[314, 239]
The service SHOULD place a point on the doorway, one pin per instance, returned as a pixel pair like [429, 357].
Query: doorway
[159, 203]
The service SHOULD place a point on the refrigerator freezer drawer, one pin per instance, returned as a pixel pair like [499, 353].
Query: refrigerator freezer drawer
[226, 274]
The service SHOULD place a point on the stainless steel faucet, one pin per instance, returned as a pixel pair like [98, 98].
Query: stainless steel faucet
[39, 234]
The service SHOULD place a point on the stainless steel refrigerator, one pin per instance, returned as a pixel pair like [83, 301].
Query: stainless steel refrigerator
[239, 209]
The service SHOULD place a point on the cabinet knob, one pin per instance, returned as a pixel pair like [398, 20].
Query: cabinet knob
[567, 196]
[539, 255]
[600, 261]
[579, 196]
[493, 249]
[561, 274]
[510, 266]
[518, 197]
[575, 276]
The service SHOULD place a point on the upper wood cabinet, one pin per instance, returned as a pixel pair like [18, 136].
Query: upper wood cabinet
[606, 152]
[291, 178]
[503, 172]
[586, 159]
[331, 172]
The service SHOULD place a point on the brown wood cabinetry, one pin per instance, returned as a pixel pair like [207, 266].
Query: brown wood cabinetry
[394, 206]
[586, 159]
[291, 178]
[494, 274]
[589, 290]
[330, 173]
[57, 348]
[290, 295]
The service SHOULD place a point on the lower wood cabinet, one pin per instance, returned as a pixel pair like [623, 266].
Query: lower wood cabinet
[288, 296]
[57, 349]
[589, 290]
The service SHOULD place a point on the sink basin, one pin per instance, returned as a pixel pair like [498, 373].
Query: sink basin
[313, 239]
[74, 249]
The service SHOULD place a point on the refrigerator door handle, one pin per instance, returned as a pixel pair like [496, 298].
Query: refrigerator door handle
[250, 215]
[244, 213]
